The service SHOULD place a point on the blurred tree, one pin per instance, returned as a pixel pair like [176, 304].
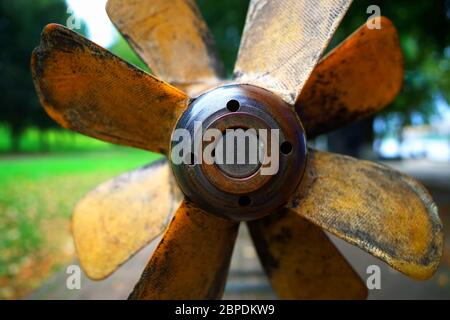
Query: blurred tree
[425, 39]
[21, 22]
[423, 27]
[226, 19]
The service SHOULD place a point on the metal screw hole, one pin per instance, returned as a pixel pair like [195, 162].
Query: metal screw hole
[233, 105]
[244, 201]
[286, 147]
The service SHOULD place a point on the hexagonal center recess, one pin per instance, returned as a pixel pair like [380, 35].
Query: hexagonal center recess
[243, 151]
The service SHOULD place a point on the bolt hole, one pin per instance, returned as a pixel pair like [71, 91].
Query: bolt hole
[286, 147]
[233, 105]
[244, 201]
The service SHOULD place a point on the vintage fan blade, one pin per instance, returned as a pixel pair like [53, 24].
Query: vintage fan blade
[196, 89]
[87, 89]
[376, 208]
[301, 262]
[171, 37]
[360, 77]
[283, 41]
[192, 259]
[112, 222]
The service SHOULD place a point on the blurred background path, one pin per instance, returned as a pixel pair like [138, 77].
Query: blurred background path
[247, 279]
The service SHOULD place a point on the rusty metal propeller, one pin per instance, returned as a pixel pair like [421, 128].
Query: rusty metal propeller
[89, 90]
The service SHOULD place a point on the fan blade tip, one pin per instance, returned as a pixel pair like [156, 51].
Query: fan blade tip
[389, 29]
[109, 7]
[386, 25]
[436, 247]
[53, 32]
[38, 60]
[38, 66]
[419, 272]
[421, 267]
[89, 269]
[89, 266]
[92, 271]
[47, 38]
[51, 28]
[384, 21]
[58, 37]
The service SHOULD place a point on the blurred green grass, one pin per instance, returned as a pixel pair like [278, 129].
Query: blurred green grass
[37, 194]
[52, 140]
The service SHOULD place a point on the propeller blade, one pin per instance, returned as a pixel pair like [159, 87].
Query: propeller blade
[378, 209]
[283, 41]
[85, 88]
[301, 262]
[336, 94]
[192, 259]
[171, 37]
[112, 222]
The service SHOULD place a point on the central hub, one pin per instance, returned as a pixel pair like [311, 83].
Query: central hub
[247, 167]
[238, 152]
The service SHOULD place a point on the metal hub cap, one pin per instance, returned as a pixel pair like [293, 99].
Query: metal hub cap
[235, 169]
[246, 154]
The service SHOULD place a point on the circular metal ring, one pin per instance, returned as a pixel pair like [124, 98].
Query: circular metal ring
[247, 192]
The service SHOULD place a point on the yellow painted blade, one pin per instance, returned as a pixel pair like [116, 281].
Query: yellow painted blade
[85, 88]
[196, 89]
[374, 207]
[301, 262]
[283, 41]
[171, 37]
[192, 259]
[112, 222]
[359, 78]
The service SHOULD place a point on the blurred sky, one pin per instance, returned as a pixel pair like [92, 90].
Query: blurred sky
[93, 13]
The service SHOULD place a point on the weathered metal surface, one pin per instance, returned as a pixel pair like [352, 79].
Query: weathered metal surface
[283, 41]
[112, 222]
[87, 89]
[301, 262]
[212, 188]
[192, 259]
[171, 37]
[360, 77]
[378, 209]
